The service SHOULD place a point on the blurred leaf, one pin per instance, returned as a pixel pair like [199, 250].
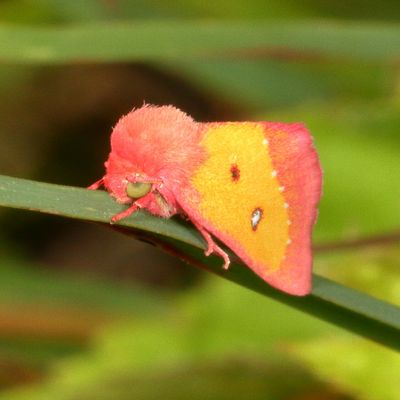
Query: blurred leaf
[216, 321]
[22, 284]
[172, 40]
[39, 11]
[349, 364]
[44, 315]
[273, 9]
[220, 322]
[379, 275]
[212, 321]
[223, 379]
[355, 311]
[257, 85]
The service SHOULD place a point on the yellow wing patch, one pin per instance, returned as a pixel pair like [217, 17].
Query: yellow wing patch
[240, 194]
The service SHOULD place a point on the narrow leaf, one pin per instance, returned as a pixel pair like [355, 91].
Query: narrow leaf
[173, 40]
[340, 305]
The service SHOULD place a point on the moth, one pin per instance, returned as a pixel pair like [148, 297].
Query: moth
[254, 186]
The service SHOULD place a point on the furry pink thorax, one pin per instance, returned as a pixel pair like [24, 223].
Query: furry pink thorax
[152, 144]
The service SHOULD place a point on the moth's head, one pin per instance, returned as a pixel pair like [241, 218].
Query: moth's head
[153, 149]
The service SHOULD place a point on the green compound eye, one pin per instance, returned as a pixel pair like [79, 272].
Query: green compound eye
[138, 189]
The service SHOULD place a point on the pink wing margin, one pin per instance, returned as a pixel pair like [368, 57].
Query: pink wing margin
[299, 173]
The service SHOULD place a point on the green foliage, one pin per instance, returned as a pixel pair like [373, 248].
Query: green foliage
[128, 356]
[22, 283]
[329, 358]
[215, 338]
[345, 360]
[338, 304]
[66, 311]
[169, 40]
[331, 66]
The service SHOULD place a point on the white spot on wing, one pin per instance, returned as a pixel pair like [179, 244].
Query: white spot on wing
[274, 173]
[256, 218]
[265, 142]
[289, 241]
[281, 188]
[286, 205]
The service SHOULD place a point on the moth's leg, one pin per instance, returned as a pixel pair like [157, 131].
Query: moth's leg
[212, 247]
[96, 185]
[126, 213]
[137, 205]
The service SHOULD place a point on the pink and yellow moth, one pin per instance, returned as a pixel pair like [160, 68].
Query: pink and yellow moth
[254, 186]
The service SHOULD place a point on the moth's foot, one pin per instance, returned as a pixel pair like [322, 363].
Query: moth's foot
[214, 248]
[96, 185]
[124, 214]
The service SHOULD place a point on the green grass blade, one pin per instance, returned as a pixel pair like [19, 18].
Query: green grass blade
[175, 40]
[340, 305]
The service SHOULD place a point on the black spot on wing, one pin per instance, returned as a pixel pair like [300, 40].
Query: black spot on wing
[235, 172]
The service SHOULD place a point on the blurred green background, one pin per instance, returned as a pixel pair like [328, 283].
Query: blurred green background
[86, 313]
